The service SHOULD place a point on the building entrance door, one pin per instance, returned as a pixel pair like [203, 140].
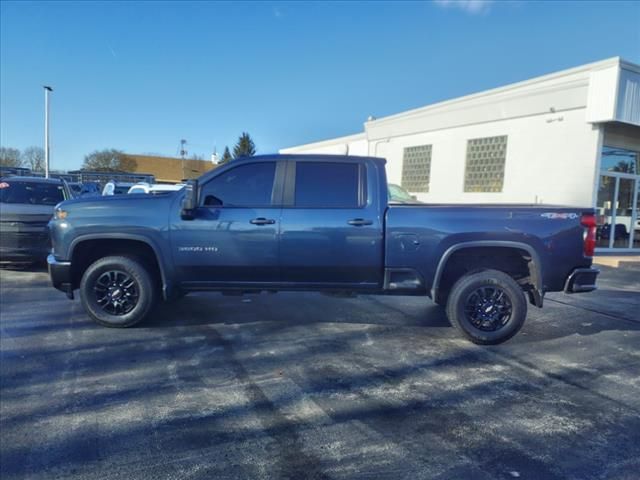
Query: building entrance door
[617, 212]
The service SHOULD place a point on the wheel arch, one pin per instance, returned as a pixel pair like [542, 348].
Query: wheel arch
[116, 240]
[534, 265]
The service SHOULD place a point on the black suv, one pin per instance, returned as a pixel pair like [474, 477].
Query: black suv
[26, 206]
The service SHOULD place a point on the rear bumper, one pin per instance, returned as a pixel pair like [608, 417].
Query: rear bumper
[60, 273]
[581, 280]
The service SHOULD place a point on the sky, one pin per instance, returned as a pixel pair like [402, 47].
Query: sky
[141, 76]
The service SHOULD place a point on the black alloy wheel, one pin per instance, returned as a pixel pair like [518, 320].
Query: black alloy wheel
[117, 292]
[488, 308]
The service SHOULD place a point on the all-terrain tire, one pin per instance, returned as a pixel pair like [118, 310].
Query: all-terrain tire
[118, 291]
[473, 310]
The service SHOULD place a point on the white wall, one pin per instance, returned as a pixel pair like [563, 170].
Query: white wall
[349, 145]
[628, 101]
[541, 164]
[554, 125]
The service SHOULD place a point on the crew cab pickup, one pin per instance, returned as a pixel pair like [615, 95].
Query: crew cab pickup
[318, 223]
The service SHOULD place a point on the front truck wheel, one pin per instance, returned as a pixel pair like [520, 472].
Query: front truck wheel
[488, 307]
[117, 291]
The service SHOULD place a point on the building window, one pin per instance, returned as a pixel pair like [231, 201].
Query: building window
[416, 168]
[485, 164]
[620, 160]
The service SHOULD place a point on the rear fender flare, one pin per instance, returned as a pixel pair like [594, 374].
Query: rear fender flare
[535, 266]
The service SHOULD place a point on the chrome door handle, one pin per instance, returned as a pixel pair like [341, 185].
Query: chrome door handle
[262, 221]
[359, 222]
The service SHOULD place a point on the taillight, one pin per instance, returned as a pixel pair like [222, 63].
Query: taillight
[588, 221]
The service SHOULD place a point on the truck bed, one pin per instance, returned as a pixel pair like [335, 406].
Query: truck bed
[419, 236]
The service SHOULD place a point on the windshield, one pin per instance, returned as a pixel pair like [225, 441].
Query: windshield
[33, 193]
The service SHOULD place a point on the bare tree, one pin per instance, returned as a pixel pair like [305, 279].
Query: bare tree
[33, 157]
[109, 160]
[10, 157]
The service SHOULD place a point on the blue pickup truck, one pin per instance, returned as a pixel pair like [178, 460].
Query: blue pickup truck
[318, 223]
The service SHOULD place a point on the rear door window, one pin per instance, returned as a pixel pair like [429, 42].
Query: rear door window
[328, 185]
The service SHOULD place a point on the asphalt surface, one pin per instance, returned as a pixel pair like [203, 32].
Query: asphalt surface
[305, 386]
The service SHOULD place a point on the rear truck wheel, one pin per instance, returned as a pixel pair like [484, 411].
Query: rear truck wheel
[117, 291]
[488, 307]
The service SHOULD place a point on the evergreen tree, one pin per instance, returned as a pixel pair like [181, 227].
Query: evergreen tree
[226, 156]
[245, 147]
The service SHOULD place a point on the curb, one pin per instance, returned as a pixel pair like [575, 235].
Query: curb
[622, 261]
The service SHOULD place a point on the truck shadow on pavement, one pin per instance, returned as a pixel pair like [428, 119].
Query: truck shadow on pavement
[296, 309]
[562, 316]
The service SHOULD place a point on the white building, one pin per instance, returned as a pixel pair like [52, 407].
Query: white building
[569, 138]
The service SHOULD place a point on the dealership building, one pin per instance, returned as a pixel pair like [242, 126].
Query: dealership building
[568, 138]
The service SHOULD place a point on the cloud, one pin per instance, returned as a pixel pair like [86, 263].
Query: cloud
[472, 7]
[277, 12]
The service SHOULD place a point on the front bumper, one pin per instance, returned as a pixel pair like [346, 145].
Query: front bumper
[581, 280]
[23, 247]
[60, 273]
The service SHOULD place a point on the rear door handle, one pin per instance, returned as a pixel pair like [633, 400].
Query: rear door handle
[359, 222]
[262, 221]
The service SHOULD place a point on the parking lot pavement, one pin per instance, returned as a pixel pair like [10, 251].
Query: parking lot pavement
[308, 386]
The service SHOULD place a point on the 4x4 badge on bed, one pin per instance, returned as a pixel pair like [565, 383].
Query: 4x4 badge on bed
[559, 216]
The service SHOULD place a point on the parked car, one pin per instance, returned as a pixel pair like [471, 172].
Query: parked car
[116, 188]
[75, 188]
[397, 194]
[90, 189]
[154, 188]
[26, 206]
[321, 223]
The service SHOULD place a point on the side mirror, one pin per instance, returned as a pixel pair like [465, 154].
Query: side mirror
[190, 200]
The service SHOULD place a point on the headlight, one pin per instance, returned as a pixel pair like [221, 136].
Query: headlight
[60, 214]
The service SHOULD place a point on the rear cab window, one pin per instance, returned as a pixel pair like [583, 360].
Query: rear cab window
[329, 185]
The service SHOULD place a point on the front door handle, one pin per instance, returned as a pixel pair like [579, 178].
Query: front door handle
[359, 222]
[262, 221]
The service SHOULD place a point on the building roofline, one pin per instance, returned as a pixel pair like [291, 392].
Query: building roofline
[163, 157]
[510, 87]
[330, 141]
[625, 64]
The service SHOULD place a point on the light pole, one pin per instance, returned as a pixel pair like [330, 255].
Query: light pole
[183, 152]
[47, 89]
